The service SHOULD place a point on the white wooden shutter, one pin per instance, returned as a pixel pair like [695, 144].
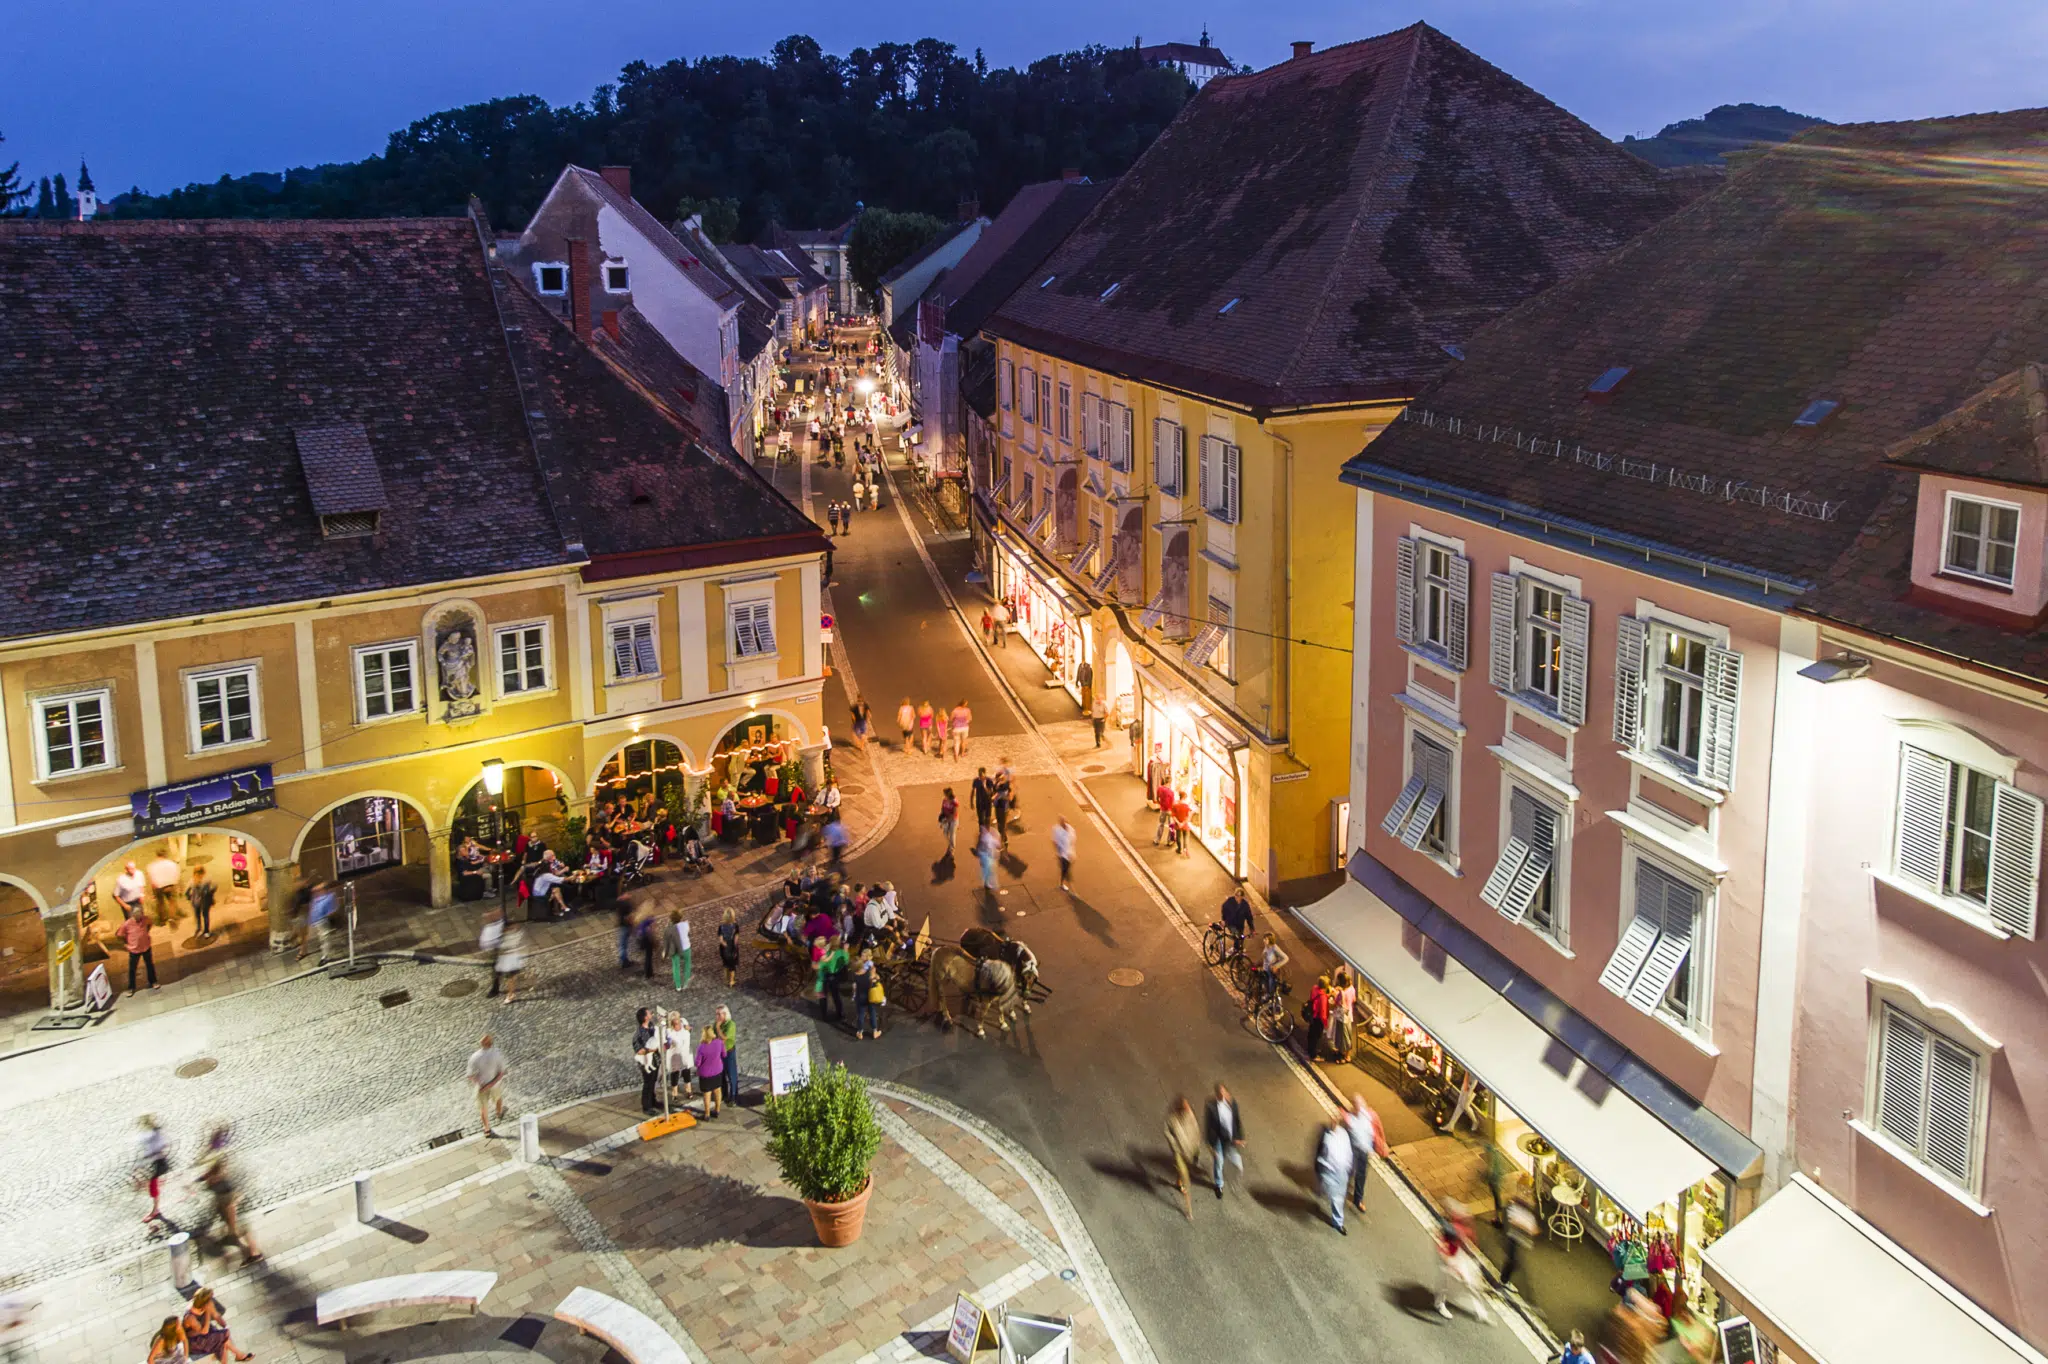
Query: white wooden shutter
[1680, 905]
[1632, 951]
[1404, 590]
[1124, 426]
[1232, 504]
[1500, 664]
[1458, 614]
[759, 619]
[1951, 1107]
[1540, 838]
[743, 643]
[1207, 477]
[1924, 782]
[1721, 701]
[1495, 891]
[1631, 640]
[2015, 887]
[1571, 682]
[1088, 401]
[1404, 804]
[643, 646]
[1424, 815]
[1433, 765]
[622, 650]
[1901, 1077]
[1179, 456]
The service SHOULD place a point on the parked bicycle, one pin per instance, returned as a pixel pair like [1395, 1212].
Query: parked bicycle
[1265, 1007]
[1225, 949]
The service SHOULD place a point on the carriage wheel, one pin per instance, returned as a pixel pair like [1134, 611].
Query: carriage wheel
[771, 970]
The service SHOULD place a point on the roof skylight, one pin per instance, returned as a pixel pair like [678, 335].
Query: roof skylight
[1228, 306]
[1047, 280]
[1816, 412]
[1602, 388]
[1118, 284]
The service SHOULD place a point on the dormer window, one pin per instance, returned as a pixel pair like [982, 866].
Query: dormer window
[616, 278]
[551, 277]
[1602, 389]
[1981, 539]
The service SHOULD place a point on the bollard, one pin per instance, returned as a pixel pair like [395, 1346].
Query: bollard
[366, 1200]
[529, 1138]
[180, 1246]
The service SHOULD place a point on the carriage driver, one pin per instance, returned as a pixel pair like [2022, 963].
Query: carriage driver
[882, 918]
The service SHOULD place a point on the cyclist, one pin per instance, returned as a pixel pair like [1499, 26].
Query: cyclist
[1271, 958]
[1237, 917]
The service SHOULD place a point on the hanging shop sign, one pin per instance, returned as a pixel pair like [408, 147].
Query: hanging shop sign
[203, 800]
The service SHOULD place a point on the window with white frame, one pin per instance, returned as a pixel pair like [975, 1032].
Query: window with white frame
[1982, 538]
[1928, 1094]
[617, 278]
[1169, 456]
[1677, 697]
[633, 651]
[1523, 883]
[1066, 412]
[221, 707]
[387, 680]
[551, 277]
[1970, 837]
[1091, 425]
[1117, 436]
[1421, 817]
[1658, 965]
[750, 627]
[1540, 634]
[522, 658]
[1045, 410]
[1027, 396]
[1219, 476]
[1432, 599]
[1006, 381]
[76, 732]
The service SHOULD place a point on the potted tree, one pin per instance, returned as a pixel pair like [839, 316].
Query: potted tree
[824, 1137]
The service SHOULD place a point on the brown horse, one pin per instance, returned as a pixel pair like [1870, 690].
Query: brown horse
[983, 986]
[992, 944]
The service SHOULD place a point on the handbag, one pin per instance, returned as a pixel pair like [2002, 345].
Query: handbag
[875, 995]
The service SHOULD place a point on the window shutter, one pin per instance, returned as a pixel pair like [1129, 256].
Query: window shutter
[1495, 891]
[764, 626]
[2015, 887]
[508, 661]
[1231, 505]
[1091, 431]
[1631, 641]
[1951, 1107]
[1123, 438]
[1458, 614]
[1541, 841]
[1179, 456]
[1424, 815]
[1571, 682]
[1680, 910]
[1901, 1077]
[1632, 951]
[622, 650]
[1433, 764]
[643, 646]
[1500, 667]
[1404, 590]
[743, 630]
[1404, 804]
[1923, 815]
[1006, 375]
[1721, 699]
[1206, 458]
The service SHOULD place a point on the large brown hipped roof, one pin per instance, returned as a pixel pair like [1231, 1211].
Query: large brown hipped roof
[1366, 206]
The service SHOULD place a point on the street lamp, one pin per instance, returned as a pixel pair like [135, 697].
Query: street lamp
[494, 776]
[865, 387]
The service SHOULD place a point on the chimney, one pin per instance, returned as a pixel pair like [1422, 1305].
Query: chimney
[1301, 49]
[579, 288]
[1071, 174]
[620, 178]
[969, 209]
[610, 318]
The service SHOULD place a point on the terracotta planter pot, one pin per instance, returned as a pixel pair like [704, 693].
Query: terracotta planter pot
[839, 1224]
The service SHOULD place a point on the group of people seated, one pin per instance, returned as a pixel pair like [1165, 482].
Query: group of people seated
[815, 905]
[624, 839]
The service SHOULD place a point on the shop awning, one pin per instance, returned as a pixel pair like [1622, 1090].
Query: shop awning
[1620, 1145]
[1875, 1304]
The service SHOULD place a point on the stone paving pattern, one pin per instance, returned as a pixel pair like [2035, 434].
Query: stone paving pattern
[700, 1216]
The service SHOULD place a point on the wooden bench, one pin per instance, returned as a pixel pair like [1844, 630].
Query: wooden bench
[623, 1327]
[448, 1287]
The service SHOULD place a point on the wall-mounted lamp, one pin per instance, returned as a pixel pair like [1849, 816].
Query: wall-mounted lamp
[494, 776]
[1843, 667]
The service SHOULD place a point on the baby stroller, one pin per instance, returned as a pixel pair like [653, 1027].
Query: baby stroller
[691, 852]
[633, 865]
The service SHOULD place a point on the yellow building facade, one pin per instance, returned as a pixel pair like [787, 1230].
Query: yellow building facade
[1189, 553]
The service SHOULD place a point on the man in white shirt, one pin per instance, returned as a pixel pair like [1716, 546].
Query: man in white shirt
[487, 1072]
[1063, 837]
[163, 885]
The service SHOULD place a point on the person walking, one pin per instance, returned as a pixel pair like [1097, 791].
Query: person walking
[906, 721]
[868, 997]
[728, 1033]
[729, 946]
[486, 1072]
[1164, 795]
[134, 936]
[1457, 1275]
[1184, 1140]
[129, 888]
[217, 1177]
[1520, 1234]
[1223, 1130]
[986, 847]
[647, 1053]
[988, 627]
[1368, 1139]
[1333, 1169]
[622, 921]
[1318, 1017]
[1183, 820]
[983, 793]
[156, 1163]
[942, 720]
[1098, 716]
[830, 985]
[163, 886]
[206, 1330]
[999, 806]
[511, 959]
[1063, 839]
[711, 1070]
[863, 721]
[680, 966]
[651, 933]
[962, 718]
[200, 895]
[1575, 1351]
[1343, 1010]
[1002, 615]
[949, 818]
[924, 728]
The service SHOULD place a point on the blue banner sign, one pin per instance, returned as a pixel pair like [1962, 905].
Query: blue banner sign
[203, 800]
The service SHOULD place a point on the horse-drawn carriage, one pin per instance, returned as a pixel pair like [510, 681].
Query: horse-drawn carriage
[782, 961]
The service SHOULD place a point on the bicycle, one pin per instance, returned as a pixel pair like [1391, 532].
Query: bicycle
[1224, 948]
[1267, 1011]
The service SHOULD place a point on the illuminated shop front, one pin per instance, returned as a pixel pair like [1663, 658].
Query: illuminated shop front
[1042, 613]
[1207, 760]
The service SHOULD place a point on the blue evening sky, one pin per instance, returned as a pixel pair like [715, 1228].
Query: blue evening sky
[161, 94]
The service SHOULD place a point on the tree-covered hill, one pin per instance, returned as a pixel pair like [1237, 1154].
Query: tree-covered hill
[1727, 128]
[798, 138]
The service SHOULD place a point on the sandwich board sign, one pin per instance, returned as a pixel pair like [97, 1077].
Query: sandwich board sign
[789, 1062]
[972, 1331]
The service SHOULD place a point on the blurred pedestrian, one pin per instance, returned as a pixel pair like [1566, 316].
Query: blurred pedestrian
[1333, 1168]
[217, 1176]
[906, 721]
[1163, 793]
[511, 959]
[647, 1053]
[1184, 1140]
[949, 818]
[1520, 1234]
[487, 1070]
[1223, 1129]
[986, 847]
[1457, 1274]
[156, 1163]
[729, 946]
[863, 721]
[1063, 840]
[1368, 1139]
[680, 966]
[1318, 1016]
[924, 727]
[962, 717]
[200, 895]
[982, 791]
[1098, 716]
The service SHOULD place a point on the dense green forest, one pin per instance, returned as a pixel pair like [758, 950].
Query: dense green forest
[798, 138]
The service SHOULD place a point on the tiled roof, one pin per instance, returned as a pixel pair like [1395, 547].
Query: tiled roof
[341, 472]
[641, 482]
[1895, 269]
[925, 252]
[155, 377]
[647, 225]
[1015, 243]
[1364, 206]
[2001, 433]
